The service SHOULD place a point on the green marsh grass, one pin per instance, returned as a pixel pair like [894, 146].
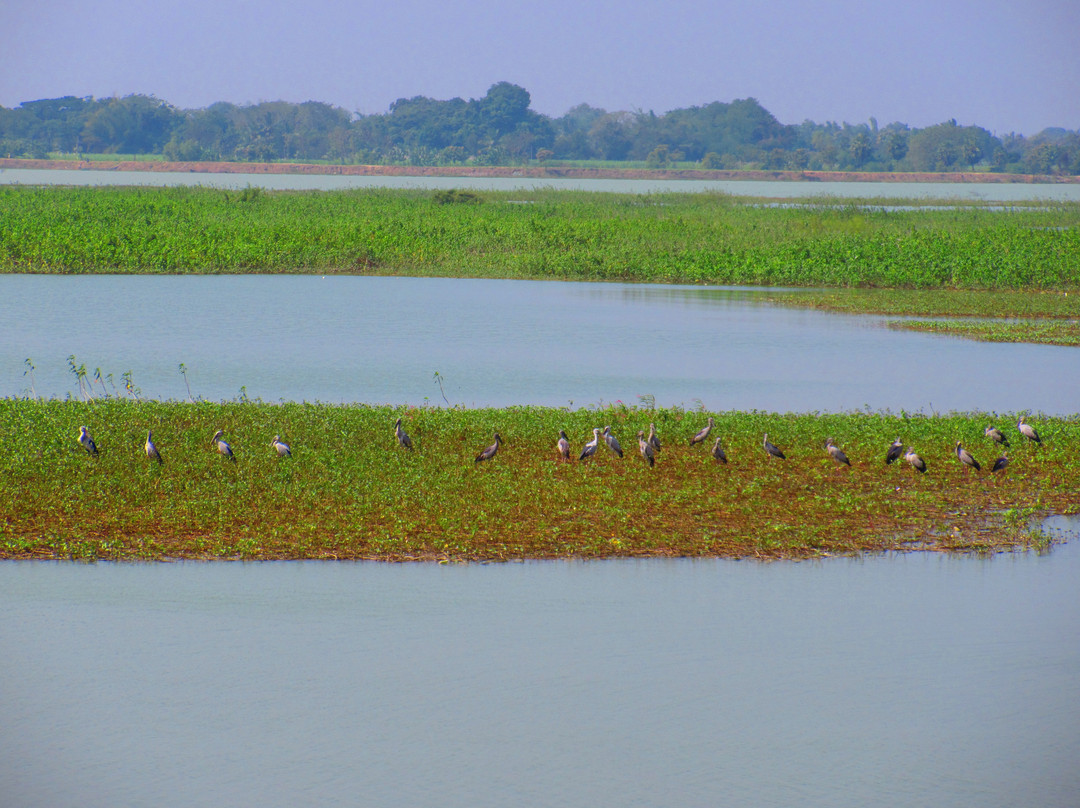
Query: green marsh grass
[350, 492]
[1052, 332]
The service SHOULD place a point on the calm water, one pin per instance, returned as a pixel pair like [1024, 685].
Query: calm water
[499, 343]
[1003, 192]
[910, 680]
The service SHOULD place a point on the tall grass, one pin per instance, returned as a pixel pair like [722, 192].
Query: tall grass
[690, 238]
[349, 491]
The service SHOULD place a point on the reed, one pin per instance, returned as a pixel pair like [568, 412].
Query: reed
[350, 492]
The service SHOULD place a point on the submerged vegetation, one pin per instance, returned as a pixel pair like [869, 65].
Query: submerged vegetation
[1040, 333]
[350, 490]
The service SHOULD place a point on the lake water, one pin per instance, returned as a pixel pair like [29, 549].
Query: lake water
[905, 680]
[500, 343]
[994, 192]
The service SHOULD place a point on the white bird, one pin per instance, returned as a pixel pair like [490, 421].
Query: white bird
[996, 435]
[490, 451]
[654, 441]
[281, 448]
[1028, 431]
[87, 442]
[402, 438]
[966, 458]
[590, 448]
[563, 445]
[836, 453]
[151, 449]
[915, 461]
[703, 434]
[646, 448]
[222, 447]
[612, 442]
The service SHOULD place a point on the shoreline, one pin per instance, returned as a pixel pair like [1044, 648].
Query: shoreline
[537, 172]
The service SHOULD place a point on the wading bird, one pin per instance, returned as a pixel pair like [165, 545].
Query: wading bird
[563, 444]
[915, 461]
[718, 452]
[1028, 431]
[965, 457]
[87, 442]
[402, 438]
[223, 448]
[772, 449]
[490, 451]
[836, 453]
[282, 449]
[896, 451]
[612, 442]
[1000, 463]
[646, 448]
[654, 441]
[151, 449]
[590, 448]
[996, 435]
[703, 434]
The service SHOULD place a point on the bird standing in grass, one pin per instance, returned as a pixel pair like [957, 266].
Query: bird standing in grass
[718, 452]
[402, 438]
[87, 442]
[281, 448]
[996, 435]
[836, 453]
[589, 449]
[915, 461]
[490, 451]
[1028, 431]
[1000, 463]
[612, 442]
[223, 448]
[896, 451]
[654, 441]
[772, 448]
[703, 434]
[966, 458]
[563, 445]
[151, 448]
[646, 448]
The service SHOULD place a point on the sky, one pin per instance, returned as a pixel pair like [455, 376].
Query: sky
[1007, 66]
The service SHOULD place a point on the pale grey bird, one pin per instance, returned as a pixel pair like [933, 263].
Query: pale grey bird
[654, 440]
[718, 452]
[281, 448]
[836, 453]
[612, 442]
[563, 445]
[703, 434]
[915, 461]
[896, 451]
[223, 448]
[966, 458]
[87, 442]
[646, 448]
[490, 451]
[151, 448]
[996, 435]
[772, 448]
[1000, 463]
[590, 448]
[402, 438]
[1028, 431]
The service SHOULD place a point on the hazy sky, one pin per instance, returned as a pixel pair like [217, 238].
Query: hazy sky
[1007, 65]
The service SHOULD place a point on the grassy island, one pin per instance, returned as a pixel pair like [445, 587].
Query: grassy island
[349, 491]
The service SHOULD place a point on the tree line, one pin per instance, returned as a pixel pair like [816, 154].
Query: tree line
[502, 129]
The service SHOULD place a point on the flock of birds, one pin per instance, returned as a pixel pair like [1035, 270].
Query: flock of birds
[648, 446]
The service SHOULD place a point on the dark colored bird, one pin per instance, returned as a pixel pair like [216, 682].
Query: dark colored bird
[280, 447]
[996, 435]
[222, 447]
[490, 451]
[589, 449]
[703, 434]
[87, 442]
[612, 442]
[646, 448]
[1028, 431]
[718, 452]
[896, 451]
[654, 441]
[563, 443]
[151, 449]
[1000, 463]
[915, 461]
[402, 438]
[772, 448]
[965, 457]
[836, 453]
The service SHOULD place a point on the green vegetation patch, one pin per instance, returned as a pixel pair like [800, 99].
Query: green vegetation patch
[1040, 333]
[350, 491]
